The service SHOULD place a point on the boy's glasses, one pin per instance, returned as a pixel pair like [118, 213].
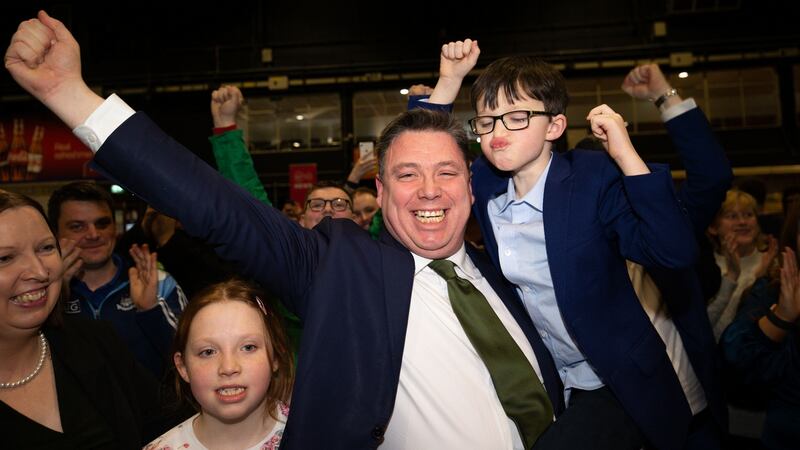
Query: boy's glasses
[512, 120]
[318, 204]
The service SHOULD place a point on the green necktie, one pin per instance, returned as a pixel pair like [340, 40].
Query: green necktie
[522, 395]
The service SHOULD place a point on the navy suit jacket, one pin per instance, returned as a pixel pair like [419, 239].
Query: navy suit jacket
[593, 219]
[708, 177]
[352, 292]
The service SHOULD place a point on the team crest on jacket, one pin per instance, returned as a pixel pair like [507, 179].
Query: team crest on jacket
[125, 304]
[72, 306]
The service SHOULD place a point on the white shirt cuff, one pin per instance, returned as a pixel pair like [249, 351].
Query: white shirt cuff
[102, 122]
[676, 110]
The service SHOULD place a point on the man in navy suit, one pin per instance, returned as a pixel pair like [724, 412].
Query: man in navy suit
[384, 359]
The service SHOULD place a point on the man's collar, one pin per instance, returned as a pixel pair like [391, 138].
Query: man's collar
[120, 270]
[459, 258]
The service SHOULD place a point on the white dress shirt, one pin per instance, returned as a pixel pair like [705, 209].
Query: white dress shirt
[446, 399]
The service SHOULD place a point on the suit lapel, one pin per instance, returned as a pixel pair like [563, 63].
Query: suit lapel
[398, 280]
[556, 206]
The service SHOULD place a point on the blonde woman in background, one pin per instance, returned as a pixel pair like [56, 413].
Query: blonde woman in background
[742, 253]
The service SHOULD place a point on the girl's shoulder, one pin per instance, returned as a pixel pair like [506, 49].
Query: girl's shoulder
[180, 437]
[273, 439]
[282, 411]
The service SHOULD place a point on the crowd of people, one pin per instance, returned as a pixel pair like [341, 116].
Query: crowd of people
[603, 308]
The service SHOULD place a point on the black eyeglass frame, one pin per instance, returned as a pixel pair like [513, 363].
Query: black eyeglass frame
[325, 202]
[501, 117]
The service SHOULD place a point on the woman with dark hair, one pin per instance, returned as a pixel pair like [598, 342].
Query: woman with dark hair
[763, 344]
[64, 382]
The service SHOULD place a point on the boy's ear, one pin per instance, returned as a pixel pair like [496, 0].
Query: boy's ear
[555, 129]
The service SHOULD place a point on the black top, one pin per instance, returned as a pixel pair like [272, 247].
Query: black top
[105, 398]
[83, 426]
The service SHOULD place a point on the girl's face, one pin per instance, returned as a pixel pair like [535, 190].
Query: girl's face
[30, 270]
[739, 220]
[227, 361]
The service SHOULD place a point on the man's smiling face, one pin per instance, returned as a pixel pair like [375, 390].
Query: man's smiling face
[425, 193]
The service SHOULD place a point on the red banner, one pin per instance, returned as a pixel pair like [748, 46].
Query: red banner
[33, 149]
[301, 178]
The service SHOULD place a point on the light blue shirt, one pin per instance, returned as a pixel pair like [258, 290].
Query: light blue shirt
[518, 226]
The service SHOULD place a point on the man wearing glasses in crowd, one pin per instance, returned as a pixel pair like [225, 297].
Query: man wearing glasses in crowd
[326, 199]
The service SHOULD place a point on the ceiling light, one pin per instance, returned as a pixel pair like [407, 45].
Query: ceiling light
[299, 117]
[683, 75]
[296, 144]
[404, 91]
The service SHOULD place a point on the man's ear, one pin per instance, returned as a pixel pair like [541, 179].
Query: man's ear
[555, 129]
[379, 186]
[471, 195]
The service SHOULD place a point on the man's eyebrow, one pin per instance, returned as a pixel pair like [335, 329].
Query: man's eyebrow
[406, 165]
[449, 163]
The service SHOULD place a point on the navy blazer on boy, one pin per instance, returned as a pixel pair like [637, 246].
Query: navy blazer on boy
[592, 288]
[591, 224]
[352, 292]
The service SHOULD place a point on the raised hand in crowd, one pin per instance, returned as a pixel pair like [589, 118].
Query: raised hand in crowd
[768, 257]
[647, 82]
[730, 250]
[361, 167]
[225, 105]
[44, 59]
[789, 301]
[456, 60]
[158, 227]
[143, 277]
[420, 89]
[787, 309]
[609, 128]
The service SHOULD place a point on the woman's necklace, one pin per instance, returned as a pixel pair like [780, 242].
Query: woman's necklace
[32, 375]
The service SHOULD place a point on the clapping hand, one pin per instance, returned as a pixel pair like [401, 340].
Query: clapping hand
[143, 277]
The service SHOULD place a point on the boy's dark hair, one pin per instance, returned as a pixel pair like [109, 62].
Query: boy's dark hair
[421, 120]
[515, 76]
[82, 191]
